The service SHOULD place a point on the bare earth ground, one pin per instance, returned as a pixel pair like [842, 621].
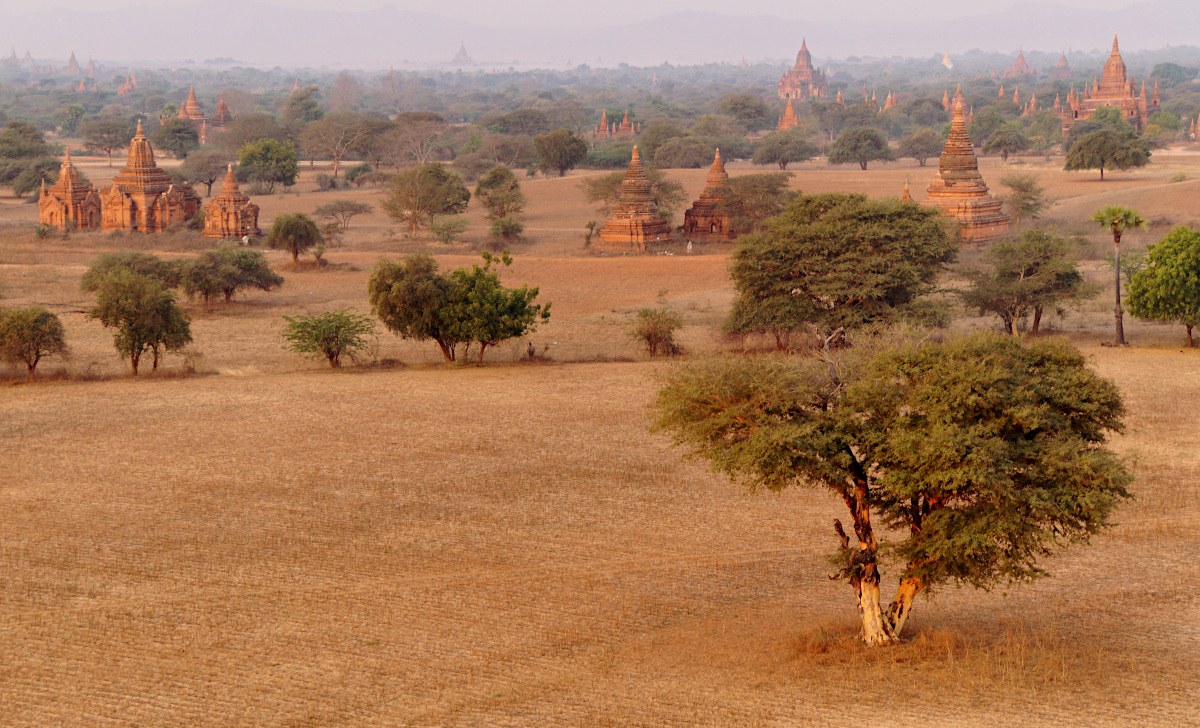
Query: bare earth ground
[274, 544]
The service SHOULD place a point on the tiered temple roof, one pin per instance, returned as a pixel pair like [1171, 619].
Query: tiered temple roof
[803, 81]
[1063, 69]
[69, 202]
[634, 221]
[959, 191]
[1115, 88]
[230, 214]
[142, 197]
[1020, 68]
[702, 220]
[788, 120]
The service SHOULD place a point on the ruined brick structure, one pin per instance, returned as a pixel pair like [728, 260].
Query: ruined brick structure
[803, 81]
[702, 221]
[69, 202]
[1115, 88]
[142, 197]
[634, 221]
[230, 214]
[959, 191]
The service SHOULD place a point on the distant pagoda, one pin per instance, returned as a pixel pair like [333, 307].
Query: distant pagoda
[959, 191]
[461, 58]
[1063, 69]
[1020, 69]
[230, 214]
[803, 81]
[788, 120]
[70, 202]
[634, 221]
[702, 221]
[1115, 88]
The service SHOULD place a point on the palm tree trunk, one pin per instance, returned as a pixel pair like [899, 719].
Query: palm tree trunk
[1120, 315]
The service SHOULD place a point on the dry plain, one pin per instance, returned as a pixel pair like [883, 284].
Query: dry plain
[269, 543]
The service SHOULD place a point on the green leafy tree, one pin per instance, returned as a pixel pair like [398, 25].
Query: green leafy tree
[166, 273]
[860, 145]
[295, 233]
[752, 199]
[267, 163]
[1118, 219]
[418, 194]
[250, 128]
[656, 135]
[415, 301]
[980, 455]
[654, 328]
[669, 195]
[784, 148]
[144, 315]
[746, 108]
[205, 168]
[332, 335]
[68, 119]
[105, 136]
[838, 260]
[225, 271]
[32, 173]
[1173, 74]
[177, 136]
[500, 193]
[486, 312]
[25, 158]
[922, 144]
[1105, 149]
[343, 211]
[1005, 142]
[1026, 198]
[1168, 288]
[987, 121]
[686, 152]
[301, 108]
[1026, 276]
[559, 150]
[507, 230]
[30, 334]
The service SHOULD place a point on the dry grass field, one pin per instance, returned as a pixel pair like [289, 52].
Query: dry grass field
[269, 543]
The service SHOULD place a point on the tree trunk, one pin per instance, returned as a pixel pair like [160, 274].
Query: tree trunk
[876, 631]
[334, 361]
[1120, 315]
[482, 346]
[336, 161]
[295, 255]
[447, 352]
[1037, 320]
[863, 165]
[1102, 174]
[133, 362]
[898, 610]
[110, 158]
[33, 365]
[1189, 330]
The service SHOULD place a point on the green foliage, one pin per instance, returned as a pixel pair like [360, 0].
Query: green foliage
[295, 233]
[687, 152]
[838, 260]
[69, 119]
[981, 455]
[1168, 288]
[922, 144]
[343, 211]
[358, 174]
[177, 136]
[205, 167]
[1038, 271]
[500, 193]
[22, 140]
[332, 335]
[144, 315]
[1179, 177]
[1105, 149]
[301, 108]
[1005, 142]
[1173, 74]
[248, 129]
[447, 230]
[415, 301]
[31, 174]
[1166, 120]
[746, 108]
[987, 121]
[669, 195]
[487, 313]
[860, 145]
[750, 200]
[1118, 219]
[166, 273]
[105, 136]
[225, 271]
[1106, 118]
[418, 194]
[656, 135]
[268, 162]
[507, 230]
[559, 150]
[655, 329]
[28, 335]
[1027, 197]
[784, 148]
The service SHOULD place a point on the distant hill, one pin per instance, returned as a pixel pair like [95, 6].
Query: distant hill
[266, 34]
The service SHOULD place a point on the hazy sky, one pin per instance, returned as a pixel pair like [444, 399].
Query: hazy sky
[543, 12]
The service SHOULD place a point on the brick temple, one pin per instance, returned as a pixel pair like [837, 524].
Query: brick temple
[69, 202]
[1115, 88]
[142, 197]
[230, 214]
[803, 81]
[702, 221]
[1021, 68]
[959, 191]
[788, 120]
[634, 221]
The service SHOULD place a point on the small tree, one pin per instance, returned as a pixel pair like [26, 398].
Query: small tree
[29, 334]
[784, 148]
[225, 271]
[177, 136]
[1106, 149]
[167, 273]
[559, 150]
[980, 454]
[860, 145]
[655, 329]
[447, 230]
[417, 195]
[295, 233]
[752, 199]
[106, 136]
[1005, 142]
[1168, 288]
[507, 230]
[486, 312]
[1026, 276]
[334, 135]
[415, 301]
[1118, 219]
[333, 334]
[500, 193]
[1026, 196]
[268, 162]
[343, 210]
[921, 145]
[144, 315]
[669, 195]
[205, 168]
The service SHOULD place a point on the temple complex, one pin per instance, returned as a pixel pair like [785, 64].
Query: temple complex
[959, 191]
[73, 66]
[803, 81]
[142, 197]
[603, 129]
[634, 221]
[69, 202]
[626, 126]
[702, 220]
[1021, 68]
[1115, 88]
[230, 214]
[788, 120]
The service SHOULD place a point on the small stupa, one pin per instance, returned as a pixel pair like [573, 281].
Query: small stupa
[69, 202]
[635, 221]
[959, 191]
[703, 221]
[788, 120]
[230, 214]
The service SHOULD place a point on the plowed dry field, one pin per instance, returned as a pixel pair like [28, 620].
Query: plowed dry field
[270, 543]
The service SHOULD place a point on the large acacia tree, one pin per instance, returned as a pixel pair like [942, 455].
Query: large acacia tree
[979, 455]
[417, 195]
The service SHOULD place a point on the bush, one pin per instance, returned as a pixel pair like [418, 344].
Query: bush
[655, 328]
[333, 334]
[326, 182]
[358, 174]
[1179, 177]
[507, 229]
[447, 231]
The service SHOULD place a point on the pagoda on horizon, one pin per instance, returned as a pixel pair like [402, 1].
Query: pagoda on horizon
[1115, 88]
[803, 81]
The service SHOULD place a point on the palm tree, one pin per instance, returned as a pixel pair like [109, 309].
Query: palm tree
[1118, 219]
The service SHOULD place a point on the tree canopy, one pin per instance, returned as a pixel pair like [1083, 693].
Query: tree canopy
[144, 315]
[332, 335]
[921, 145]
[783, 148]
[177, 136]
[1168, 288]
[500, 193]
[268, 162]
[750, 200]
[295, 233]
[417, 195]
[28, 335]
[860, 145]
[560, 150]
[1106, 149]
